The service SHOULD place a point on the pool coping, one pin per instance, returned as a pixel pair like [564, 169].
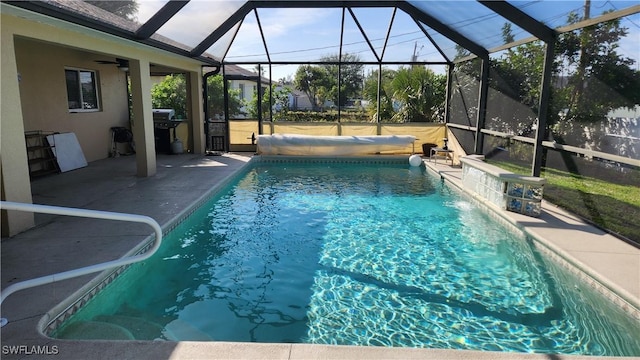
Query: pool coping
[216, 349]
[613, 292]
[67, 308]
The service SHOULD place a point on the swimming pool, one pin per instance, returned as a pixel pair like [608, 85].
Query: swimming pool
[353, 254]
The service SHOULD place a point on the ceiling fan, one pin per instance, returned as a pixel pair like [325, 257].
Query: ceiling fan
[122, 63]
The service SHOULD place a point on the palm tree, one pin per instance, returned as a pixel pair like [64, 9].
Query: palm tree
[421, 93]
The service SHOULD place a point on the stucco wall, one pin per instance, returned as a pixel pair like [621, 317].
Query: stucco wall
[13, 162]
[35, 50]
[44, 96]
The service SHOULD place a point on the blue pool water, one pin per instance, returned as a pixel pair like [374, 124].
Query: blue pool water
[383, 255]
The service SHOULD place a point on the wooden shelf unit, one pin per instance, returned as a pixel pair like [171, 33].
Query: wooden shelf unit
[41, 158]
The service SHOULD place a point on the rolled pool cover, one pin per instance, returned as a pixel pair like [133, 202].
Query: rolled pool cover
[290, 144]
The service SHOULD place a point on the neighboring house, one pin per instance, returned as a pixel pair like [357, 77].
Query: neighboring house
[246, 82]
[61, 77]
[299, 101]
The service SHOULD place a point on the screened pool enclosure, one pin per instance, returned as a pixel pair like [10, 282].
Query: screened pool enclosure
[543, 87]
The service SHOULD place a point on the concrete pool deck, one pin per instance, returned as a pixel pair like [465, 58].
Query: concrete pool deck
[61, 243]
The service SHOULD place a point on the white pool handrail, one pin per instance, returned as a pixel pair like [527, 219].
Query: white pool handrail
[96, 214]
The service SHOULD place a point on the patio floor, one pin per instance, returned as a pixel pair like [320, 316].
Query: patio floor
[61, 243]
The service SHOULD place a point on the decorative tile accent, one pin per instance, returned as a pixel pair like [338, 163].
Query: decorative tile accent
[75, 306]
[587, 279]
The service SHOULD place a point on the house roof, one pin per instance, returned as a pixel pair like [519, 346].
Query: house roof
[82, 13]
[379, 31]
[236, 72]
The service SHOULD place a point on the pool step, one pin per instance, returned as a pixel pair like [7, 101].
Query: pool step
[122, 327]
[180, 330]
[95, 330]
[140, 328]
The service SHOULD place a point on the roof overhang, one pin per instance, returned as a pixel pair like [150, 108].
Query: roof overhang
[61, 13]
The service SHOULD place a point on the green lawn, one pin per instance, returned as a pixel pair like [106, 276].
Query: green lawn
[611, 206]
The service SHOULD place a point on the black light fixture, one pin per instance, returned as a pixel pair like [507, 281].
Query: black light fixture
[445, 147]
[123, 64]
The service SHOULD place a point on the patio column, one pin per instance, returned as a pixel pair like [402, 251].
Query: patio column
[142, 122]
[14, 170]
[196, 102]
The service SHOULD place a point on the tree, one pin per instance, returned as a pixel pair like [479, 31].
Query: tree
[215, 98]
[278, 97]
[594, 78]
[465, 89]
[171, 93]
[320, 83]
[280, 101]
[413, 93]
[288, 80]
[421, 93]
[520, 71]
[386, 94]
[127, 9]
[517, 78]
[601, 79]
[351, 77]
[313, 81]
[259, 69]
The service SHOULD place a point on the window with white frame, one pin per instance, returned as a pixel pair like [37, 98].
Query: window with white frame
[82, 90]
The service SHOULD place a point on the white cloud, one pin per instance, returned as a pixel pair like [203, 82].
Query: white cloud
[279, 22]
[284, 30]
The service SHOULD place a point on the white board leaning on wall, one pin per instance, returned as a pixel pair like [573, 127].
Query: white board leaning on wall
[67, 151]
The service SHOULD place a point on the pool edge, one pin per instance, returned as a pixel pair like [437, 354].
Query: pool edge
[57, 315]
[188, 210]
[626, 301]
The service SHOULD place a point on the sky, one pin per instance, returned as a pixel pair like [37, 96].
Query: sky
[309, 34]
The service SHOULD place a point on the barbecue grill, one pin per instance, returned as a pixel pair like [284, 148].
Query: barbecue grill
[165, 119]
